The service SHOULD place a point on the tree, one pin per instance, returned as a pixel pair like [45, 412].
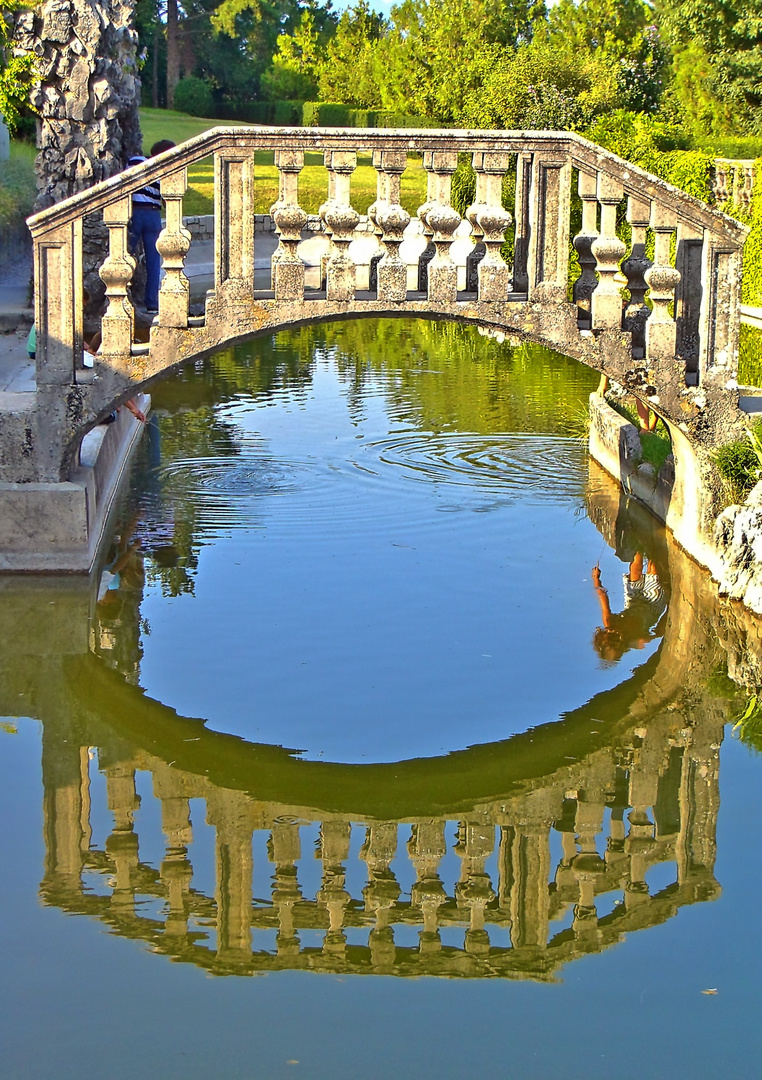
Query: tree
[17, 73]
[717, 60]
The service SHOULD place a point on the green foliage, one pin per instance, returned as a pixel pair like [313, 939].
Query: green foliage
[751, 288]
[194, 96]
[717, 62]
[750, 356]
[738, 463]
[17, 73]
[18, 190]
[278, 113]
[325, 114]
[749, 723]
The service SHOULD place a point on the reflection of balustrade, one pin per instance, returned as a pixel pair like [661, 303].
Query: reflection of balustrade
[660, 785]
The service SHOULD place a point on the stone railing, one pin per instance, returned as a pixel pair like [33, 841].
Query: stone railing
[733, 181]
[690, 308]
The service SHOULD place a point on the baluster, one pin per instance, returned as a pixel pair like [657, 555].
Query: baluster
[392, 220]
[173, 245]
[122, 844]
[493, 219]
[720, 184]
[608, 249]
[233, 232]
[548, 259]
[382, 891]
[477, 233]
[341, 219]
[586, 283]
[176, 870]
[662, 281]
[443, 220]
[426, 849]
[117, 324]
[635, 266]
[474, 890]
[290, 219]
[429, 251]
[285, 852]
[334, 851]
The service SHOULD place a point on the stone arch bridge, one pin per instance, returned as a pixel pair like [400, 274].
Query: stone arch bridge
[671, 337]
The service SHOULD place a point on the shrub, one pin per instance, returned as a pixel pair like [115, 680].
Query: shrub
[738, 465]
[326, 114]
[194, 96]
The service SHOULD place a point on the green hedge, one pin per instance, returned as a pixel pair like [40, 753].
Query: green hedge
[278, 113]
[334, 114]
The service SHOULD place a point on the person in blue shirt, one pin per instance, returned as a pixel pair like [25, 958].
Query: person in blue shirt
[145, 226]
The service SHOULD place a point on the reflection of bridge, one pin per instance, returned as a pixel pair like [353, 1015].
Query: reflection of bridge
[674, 341]
[650, 799]
[558, 833]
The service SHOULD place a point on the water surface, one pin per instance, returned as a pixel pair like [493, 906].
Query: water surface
[342, 711]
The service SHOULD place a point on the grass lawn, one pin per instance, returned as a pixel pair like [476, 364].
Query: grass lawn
[313, 180]
[18, 188]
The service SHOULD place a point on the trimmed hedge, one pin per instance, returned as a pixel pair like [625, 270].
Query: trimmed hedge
[334, 114]
[277, 113]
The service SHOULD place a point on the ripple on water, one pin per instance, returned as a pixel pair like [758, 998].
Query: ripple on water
[253, 487]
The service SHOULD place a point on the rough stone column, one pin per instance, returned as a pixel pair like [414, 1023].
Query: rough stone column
[548, 258]
[88, 101]
[231, 814]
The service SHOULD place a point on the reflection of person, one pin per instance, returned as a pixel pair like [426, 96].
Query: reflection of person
[145, 226]
[644, 605]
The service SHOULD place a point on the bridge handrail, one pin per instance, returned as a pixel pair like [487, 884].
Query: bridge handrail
[583, 154]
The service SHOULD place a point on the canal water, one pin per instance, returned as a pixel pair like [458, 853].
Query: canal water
[390, 738]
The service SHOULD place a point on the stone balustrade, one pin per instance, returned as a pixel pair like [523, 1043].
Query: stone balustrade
[547, 166]
[733, 181]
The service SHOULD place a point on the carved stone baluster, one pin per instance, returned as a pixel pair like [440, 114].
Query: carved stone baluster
[426, 848]
[635, 266]
[661, 329]
[332, 895]
[323, 211]
[608, 249]
[586, 283]
[290, 219]
[477, 233]
[341, 219]
[173, 245]
[493, 219]
[429, 251]
[393, 220]
[443, 220]
[118, 322]
[720, 184]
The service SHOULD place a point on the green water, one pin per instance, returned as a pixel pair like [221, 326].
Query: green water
[340, 766]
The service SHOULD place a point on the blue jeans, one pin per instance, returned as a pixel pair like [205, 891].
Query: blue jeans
[145, 225]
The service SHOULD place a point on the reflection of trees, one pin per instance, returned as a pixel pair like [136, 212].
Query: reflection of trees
[434, 376]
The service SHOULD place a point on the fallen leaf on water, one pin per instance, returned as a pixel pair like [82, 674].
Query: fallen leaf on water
[713, 990]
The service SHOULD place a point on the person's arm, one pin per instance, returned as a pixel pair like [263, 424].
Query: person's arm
[603, 598]
[136, 412]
